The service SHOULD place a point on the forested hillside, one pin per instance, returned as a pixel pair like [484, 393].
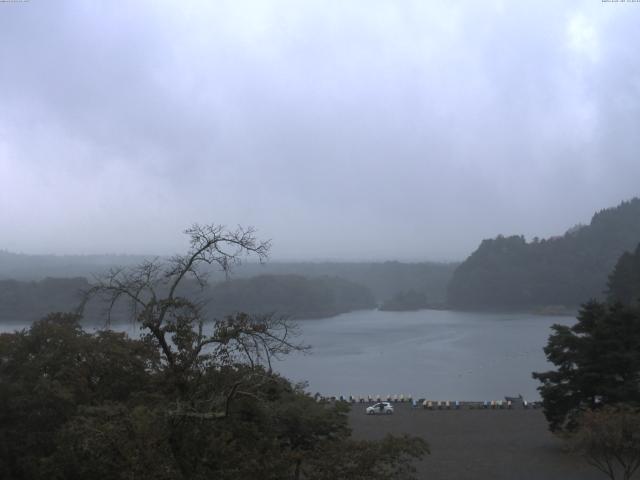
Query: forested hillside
[384, 279]
[29, 301]
[511, 273]
[288, 295]
[19, 266]
[624, 281]
[291, 295]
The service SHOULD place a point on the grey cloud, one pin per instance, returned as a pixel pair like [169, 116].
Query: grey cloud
[340, 130]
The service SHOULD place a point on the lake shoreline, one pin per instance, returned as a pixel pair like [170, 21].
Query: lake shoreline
[436, 354]
[549, 310]
[433, 354]
[538, 311]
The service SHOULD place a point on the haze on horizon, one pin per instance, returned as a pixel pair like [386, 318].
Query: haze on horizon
[340, 130]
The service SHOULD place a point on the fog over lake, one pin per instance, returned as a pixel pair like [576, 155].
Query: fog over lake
[436, 354]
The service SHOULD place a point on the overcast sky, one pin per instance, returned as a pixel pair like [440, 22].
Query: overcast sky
[348, 130]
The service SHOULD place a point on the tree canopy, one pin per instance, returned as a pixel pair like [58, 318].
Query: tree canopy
[609, 438]
[597, 360]
[511, 273]
[624, 281]
[192, 398]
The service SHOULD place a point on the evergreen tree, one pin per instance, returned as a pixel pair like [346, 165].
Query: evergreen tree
[598, 363]
[508, 272]
[624, 282]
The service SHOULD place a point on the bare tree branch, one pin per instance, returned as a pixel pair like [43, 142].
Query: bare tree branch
[176, 324]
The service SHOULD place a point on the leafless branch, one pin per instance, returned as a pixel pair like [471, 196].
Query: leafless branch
[176, 324]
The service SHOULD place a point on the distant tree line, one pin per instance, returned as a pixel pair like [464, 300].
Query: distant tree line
[24, 302]
[290, 295]
[383, 279]
[23, 267]
[406, 301]
[511, 273]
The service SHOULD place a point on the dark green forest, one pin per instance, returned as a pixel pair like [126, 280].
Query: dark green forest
[179, 402]
[624, 281]
[24, 302]
[289, 295]
[511, 273]
[597, 358]
[75, 405]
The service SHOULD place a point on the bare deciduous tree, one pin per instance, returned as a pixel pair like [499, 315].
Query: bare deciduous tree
[176, 324]
[609, 439]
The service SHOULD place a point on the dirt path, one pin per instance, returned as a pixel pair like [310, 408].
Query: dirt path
[479, 444]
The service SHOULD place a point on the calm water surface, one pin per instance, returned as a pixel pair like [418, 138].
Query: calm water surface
[429, 353]
[437, 354]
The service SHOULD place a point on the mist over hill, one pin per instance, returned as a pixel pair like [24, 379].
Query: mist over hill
[511, 273]
[27, 301]
[290, 295]
[506, 272]
[20, 266]
[32, 286]
[384, 279]
[624, 281]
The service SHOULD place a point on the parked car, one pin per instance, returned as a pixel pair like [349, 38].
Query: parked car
[380, 408]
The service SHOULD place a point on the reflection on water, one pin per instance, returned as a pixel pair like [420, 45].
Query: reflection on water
[436, 354]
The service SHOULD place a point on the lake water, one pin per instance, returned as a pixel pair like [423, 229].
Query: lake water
[428, 353]
[441, 355]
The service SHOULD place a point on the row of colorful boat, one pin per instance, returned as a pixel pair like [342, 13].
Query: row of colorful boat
[507, 403]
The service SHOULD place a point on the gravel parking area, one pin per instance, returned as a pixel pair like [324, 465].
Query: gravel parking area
[479, 444]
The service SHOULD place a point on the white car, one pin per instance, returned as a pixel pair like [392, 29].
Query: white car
[380, 408]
